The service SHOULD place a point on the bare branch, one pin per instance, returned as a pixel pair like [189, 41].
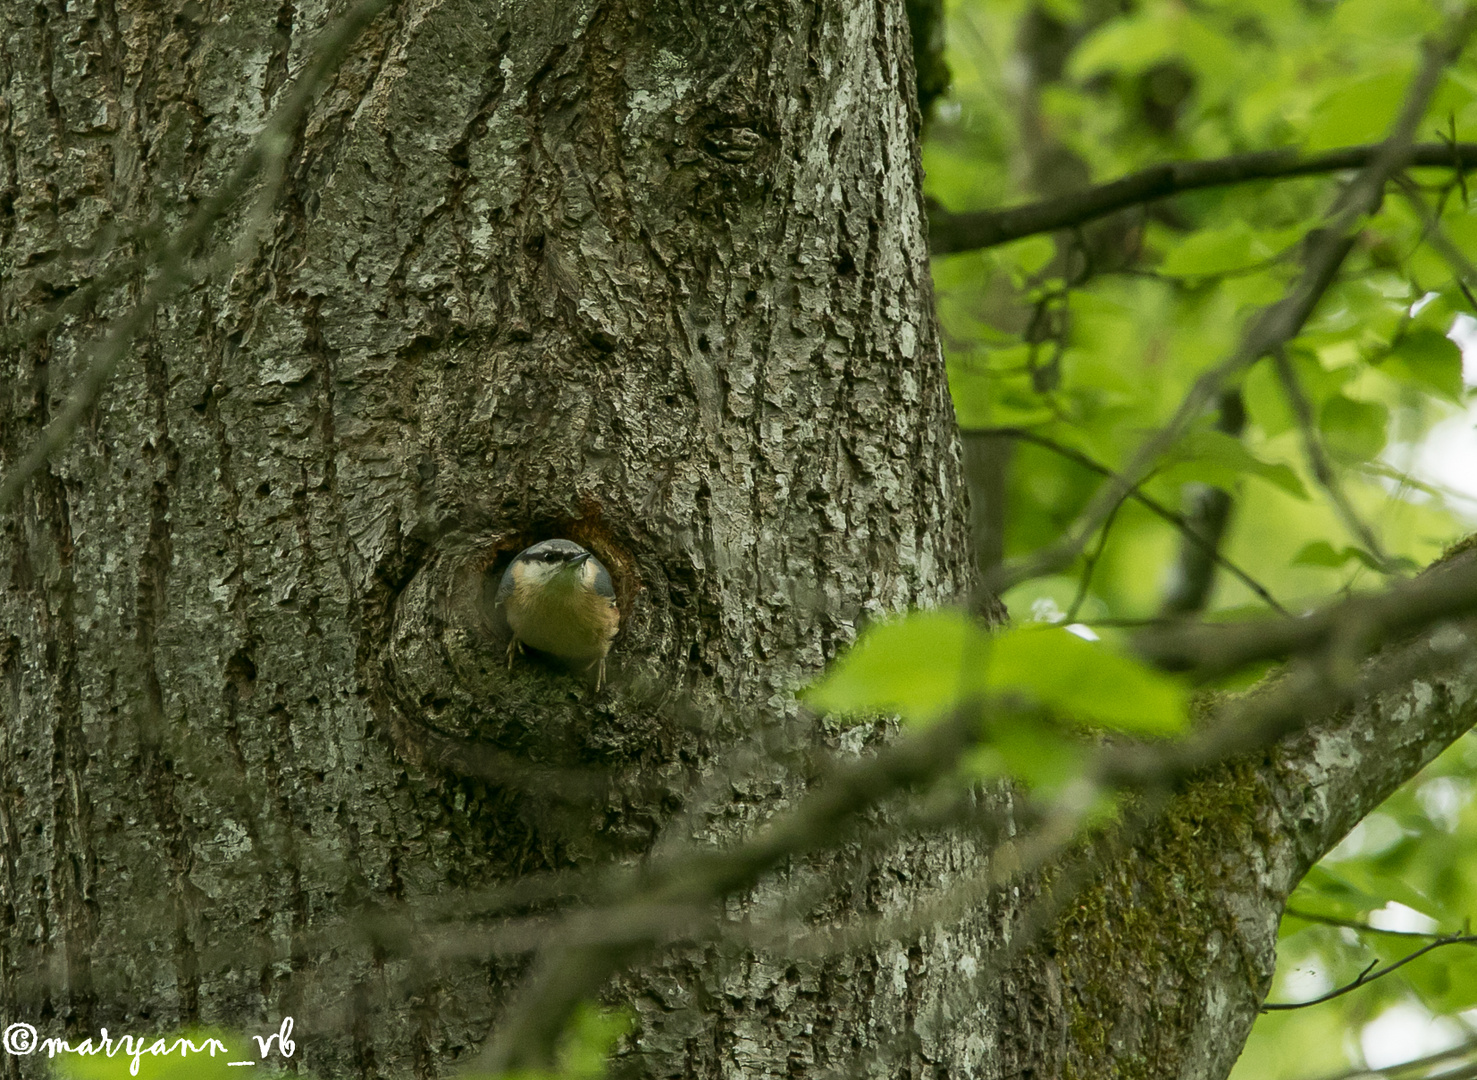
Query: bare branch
[949, 233]
[1136, 493]
[1369, 975]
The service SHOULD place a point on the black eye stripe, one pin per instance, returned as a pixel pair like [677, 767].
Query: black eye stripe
[555, 555]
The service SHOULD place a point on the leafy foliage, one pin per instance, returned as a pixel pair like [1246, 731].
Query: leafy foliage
[932, 661]
[1089, 340]
[588, 1042]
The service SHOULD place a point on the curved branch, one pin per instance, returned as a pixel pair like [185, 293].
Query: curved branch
[950, 233]
[1365, 977]
[1151, 504]
[1355, 924]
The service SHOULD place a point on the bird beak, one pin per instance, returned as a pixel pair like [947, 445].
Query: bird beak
[576, 562]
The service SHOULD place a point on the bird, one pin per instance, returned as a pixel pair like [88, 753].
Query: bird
[558, 599]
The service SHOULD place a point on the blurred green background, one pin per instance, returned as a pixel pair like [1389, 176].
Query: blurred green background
[1089, 340]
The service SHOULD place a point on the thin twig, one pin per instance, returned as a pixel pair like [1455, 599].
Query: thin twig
[1355, 924]
[1136, 492]
[1365, 977]
[1436, 235]
[1090, 563]
[1322, 468]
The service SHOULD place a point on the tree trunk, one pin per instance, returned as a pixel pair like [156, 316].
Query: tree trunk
[647, 277]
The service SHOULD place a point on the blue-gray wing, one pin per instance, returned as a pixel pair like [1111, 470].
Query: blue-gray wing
[602, 581]
[505, 587]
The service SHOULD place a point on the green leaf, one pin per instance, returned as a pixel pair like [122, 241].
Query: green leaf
[915, 666]
[1266, 401]
[1214, 457]
[1350, 890]
[1130, 45]
[1362, 878]
[1358, 111]
[1087, 681]
[970, 388]
[922, 665]
[1392, 23]
[1039, 755]
[1428, 358]
[1030, 255]
[1321, 553]
[1211, 251]
[1437, 313]
[1266, 398]
[1353, 430]
[1328, 893]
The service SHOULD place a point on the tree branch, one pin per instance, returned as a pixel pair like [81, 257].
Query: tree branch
[1274, 326]
[1215, 650]
[595, 946]
[950, 233]
[1154, 506]
[1365, 976]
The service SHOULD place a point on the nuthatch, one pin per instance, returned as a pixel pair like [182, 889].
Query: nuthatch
[558, 599]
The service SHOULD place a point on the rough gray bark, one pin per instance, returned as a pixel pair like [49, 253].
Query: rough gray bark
[652, 278]
[649, 276]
